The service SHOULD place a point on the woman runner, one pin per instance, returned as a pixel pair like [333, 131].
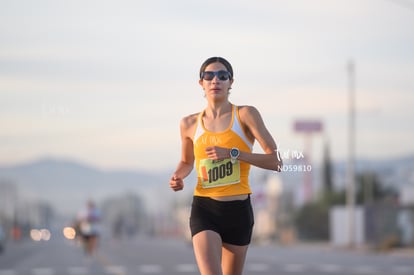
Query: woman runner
[219, 140]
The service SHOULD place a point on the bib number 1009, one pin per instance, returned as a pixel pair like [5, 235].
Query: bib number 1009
[217, 172]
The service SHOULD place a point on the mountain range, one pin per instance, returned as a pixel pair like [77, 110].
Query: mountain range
[67, 184]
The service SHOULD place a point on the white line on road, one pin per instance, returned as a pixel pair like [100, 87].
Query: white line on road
[150, 268]
[186, 268]
[192, 268]
[77, 270]
[403, 269]
[43, 271]
[294, 268]
[329, 268]
[365, 269]
[257, 267]
[115, 269]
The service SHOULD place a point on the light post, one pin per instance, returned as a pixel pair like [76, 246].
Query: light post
[350, 172]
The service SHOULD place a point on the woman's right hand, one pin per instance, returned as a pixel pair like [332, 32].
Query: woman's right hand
[176, 183]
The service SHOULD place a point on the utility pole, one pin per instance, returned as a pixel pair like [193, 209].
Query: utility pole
[350, 171]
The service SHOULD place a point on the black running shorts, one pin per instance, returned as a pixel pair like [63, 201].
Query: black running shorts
[232, 220]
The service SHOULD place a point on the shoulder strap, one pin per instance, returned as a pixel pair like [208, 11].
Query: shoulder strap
[237, 127]
[199, 128]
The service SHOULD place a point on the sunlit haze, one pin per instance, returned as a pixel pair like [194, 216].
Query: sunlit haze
[107, 82]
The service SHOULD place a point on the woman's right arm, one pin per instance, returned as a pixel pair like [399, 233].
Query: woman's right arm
[186, 164]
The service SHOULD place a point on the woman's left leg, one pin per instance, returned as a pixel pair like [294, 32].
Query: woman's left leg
[233, 258]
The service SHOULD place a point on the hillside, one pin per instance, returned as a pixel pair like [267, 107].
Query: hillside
[67, 184]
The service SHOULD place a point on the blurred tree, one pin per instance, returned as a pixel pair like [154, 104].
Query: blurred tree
[327, 170]
[371, 190]
[312, 219]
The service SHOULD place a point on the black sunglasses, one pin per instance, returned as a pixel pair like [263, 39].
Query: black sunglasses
[221, 75]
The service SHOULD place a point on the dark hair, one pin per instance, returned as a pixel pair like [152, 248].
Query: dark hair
[217, 59]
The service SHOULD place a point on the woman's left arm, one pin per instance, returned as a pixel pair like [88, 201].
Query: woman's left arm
[253, 122]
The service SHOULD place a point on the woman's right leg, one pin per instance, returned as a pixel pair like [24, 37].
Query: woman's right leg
[207, 249]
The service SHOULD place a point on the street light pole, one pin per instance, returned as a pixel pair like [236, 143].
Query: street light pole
[350, 172]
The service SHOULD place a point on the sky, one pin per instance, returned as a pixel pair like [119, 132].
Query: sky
[107, 82]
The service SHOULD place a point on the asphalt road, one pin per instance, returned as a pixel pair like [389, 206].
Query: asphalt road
[160, 256]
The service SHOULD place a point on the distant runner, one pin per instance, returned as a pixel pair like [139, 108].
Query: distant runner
[89, 227]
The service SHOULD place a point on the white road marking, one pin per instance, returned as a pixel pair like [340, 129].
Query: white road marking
[294, 268]
[184, 268]
[150, 268]
[365, 269]
[115, 269]
[43, 271]
[77, 270]
[403, 269]
[191, 268]
[257, 267]
[329, 268]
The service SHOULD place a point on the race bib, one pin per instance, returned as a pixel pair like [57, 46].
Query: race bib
[215, 173]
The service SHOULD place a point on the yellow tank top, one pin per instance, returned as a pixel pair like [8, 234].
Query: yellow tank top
[221, 178]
